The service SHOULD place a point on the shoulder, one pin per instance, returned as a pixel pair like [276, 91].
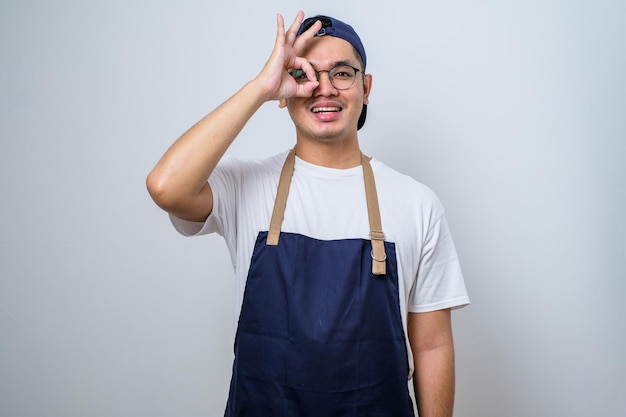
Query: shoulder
[270, 163]
[237, 170]
[402, 188]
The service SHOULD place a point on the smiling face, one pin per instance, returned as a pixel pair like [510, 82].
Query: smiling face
[330, 114]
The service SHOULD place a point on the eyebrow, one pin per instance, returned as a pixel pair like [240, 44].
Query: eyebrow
[337, 63]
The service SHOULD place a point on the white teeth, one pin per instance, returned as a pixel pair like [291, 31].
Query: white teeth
[325, 109]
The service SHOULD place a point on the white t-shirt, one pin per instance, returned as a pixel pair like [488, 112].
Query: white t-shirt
[327, 204]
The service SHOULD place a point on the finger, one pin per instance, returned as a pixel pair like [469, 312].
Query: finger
[293, 29]
[307, 35]
[280, 29]
[305, 66]
[306, 89]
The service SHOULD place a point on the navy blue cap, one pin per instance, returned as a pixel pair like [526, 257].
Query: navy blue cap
[338, 29]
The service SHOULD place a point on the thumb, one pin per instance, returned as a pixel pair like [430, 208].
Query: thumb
[306, 89]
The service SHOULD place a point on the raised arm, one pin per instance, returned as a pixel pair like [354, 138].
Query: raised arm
[178, 182]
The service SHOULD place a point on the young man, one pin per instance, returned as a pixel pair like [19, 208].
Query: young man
[346, 270]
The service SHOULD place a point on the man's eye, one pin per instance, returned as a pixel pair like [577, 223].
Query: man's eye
[298, 74]
[343, 73]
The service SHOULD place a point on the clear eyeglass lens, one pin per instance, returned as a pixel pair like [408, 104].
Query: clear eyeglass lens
[342, 77]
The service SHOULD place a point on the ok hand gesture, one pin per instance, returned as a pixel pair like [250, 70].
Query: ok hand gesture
[274, 78]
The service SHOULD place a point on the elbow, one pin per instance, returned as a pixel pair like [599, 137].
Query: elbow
[178, 199]
[159, 190]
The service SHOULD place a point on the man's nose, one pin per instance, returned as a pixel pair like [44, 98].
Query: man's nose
[325, 87]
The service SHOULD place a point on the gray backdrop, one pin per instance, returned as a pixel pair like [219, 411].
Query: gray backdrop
[512, 111]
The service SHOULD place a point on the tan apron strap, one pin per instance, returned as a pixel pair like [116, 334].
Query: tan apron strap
[281, 198]
[379, 266]
[377, 236]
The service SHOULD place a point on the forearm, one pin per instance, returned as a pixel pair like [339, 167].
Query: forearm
[430, 335]
[181, 174]
[434, 381]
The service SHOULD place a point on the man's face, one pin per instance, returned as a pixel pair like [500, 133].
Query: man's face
[330, 114]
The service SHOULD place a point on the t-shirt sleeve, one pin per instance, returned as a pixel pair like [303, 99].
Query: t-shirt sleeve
[439, 282]
[223, 182]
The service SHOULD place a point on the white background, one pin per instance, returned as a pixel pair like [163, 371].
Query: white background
[514, 112]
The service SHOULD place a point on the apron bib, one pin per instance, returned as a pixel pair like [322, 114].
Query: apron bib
[320, 332]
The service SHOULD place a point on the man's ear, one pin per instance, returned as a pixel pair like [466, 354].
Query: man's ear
[282, 103]
[367, 87]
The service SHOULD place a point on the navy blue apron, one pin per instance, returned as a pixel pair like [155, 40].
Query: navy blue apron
[320, 332]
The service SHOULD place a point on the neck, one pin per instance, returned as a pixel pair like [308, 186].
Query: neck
[340, 154]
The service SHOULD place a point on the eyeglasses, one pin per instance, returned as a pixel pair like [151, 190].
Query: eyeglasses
[341, 76]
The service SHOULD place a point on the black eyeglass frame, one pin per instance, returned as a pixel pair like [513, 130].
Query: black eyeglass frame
[300, 74]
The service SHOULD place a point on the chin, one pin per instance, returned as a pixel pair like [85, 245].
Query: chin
[326, 134]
